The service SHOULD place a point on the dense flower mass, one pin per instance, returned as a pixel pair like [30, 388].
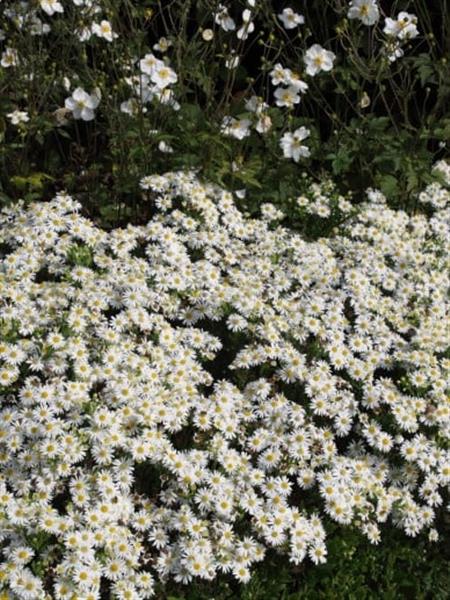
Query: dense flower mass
[239, 375]
[179, 397]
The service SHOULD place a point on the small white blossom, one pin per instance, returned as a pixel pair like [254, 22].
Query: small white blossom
[287, 96]
[365, 100]
[51, 6]
[163, 76]
[162, 45]
[291, 144]
[18, 116]
[131, 107]
[238, 128]
[404, 27]
[10, 58]
[318, 59]
[165, 147]
[248, 26]
[366, 11]
[290, 19]
[223, 19]
[232, 62]
[264, 124]
[82, 104]
[104, 30]
[149, 63]
[256, 104]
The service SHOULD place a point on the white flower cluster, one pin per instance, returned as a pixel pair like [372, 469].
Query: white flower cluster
[399, 30]
[27, 17]
[227, 23]
[323, 200]
[152, 83]
[239, 128]
[175, 395]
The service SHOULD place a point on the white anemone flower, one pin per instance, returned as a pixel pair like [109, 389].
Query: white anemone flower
[10, 58]
[365, 10]
[83, 104]
[51, 6]
[149, 63]
[404, 27]
[290, 19]
[287, 96]
[223, 19]
[162, 76]
[248, 26]
[318, 59]
[104, 30]
[18, 116]
[291, 144]
[237, 128]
